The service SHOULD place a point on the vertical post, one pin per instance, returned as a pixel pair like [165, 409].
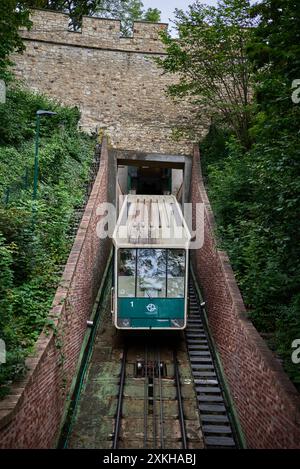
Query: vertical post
[128, 182]
[36, 158]
[170, 180]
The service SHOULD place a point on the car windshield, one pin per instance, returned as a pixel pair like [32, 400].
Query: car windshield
[151, 273]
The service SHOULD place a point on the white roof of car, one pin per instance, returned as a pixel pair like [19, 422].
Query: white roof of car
[151, 221]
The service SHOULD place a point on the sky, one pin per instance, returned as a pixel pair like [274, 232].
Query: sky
[167, 7]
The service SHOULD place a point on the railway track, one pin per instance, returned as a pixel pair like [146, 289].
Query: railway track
[156, 398]
[154, 391]
[214, 412]
[217, 426]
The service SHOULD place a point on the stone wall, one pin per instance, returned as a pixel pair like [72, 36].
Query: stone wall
[267, 403]
[31, 416]
[113, 80]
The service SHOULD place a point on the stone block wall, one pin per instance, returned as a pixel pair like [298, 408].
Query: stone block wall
[114, 80]
[31, 416]
[95, 32]
[267, 403]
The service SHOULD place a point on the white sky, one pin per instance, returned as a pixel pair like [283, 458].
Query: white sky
[167, 7]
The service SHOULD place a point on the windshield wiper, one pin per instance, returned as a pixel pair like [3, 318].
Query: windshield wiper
[149, 295]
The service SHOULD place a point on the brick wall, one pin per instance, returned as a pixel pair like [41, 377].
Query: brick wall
[30, 417]
[267, 403]
[113, 80]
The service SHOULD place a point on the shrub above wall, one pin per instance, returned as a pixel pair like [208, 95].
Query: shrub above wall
[267, 403]
[254, 198]
[31, 416]
[34, 236]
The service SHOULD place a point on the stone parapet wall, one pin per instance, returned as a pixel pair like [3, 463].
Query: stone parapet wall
[95, 32]
[114, 81]
[267, 403]
[31, 416]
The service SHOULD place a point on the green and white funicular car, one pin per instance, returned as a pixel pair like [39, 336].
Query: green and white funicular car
[151, 242]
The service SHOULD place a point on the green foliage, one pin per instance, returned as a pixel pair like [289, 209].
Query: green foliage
[210, 59]
[276, 41]
[11, 19]
[214, 147]
[17, 127]
[6, 281]
[255, 197]
[15, 354]
[152, 15]
[255, 193]
[288, 326]
[15, 226]
[34, 240]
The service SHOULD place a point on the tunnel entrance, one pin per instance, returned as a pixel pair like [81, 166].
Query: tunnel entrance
[149, 180]
[150, 174]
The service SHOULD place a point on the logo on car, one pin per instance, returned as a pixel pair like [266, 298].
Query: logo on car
[151, 308]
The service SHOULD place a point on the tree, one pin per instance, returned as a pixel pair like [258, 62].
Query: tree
[11, 19]
[275, 52]
[256, 193]
[128, 11]
[153, 15]
[211, 62]
[76, 9]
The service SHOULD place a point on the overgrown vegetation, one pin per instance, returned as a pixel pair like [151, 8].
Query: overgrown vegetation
[209, 58]
[33, 235]
[11, 19]
[254, 183]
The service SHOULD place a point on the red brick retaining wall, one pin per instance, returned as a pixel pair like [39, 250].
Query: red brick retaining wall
[31, 416]
[267, 403]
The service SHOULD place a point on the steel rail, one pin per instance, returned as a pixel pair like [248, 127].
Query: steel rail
[180, 404]
[120, 401]
[161, 422]
[146, 398]
[154, 420]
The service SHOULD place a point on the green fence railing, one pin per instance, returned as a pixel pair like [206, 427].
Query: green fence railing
[12, 193]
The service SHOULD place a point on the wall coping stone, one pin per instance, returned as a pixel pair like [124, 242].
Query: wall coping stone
[96, 33]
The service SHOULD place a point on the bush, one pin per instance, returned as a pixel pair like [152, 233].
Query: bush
[255, 196]
[33, 235]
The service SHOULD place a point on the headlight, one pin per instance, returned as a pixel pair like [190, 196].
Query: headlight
[177, 322]
[124, 322]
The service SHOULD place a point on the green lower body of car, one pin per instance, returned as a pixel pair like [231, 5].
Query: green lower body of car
[151, 313]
